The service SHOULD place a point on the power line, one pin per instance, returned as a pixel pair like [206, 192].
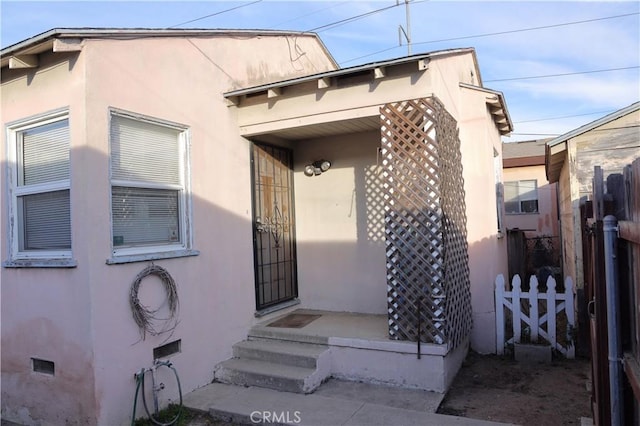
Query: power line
[563, 74]
[534, 134]
[563, 116]
[216, 13]
[341, 22]
[500, 33]
[633, 126]
[351, 19]
[309, 14]
[531, 28]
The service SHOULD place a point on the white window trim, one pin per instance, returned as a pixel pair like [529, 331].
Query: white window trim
[152, 252]
[41, 258]
[520, 212]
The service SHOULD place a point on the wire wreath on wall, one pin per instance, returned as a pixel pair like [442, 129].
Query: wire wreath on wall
[146, 318]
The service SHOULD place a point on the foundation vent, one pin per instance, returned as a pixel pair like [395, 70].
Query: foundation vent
[168, 349]
[43, 366]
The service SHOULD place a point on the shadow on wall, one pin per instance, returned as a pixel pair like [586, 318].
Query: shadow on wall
[485, 265]
[80, 321]
[80, 318]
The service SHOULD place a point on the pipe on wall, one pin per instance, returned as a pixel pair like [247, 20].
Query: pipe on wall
[613, 319]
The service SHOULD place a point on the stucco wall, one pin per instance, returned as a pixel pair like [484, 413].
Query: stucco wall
[545, 222]
[216, 289]
[80, 317]
[487, 251]
[340, 225]
[302, 105]
[46, 313]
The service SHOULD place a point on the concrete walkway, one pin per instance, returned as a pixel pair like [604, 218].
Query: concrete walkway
[335, 403]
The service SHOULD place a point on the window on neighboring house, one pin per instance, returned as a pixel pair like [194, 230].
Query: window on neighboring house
[497, 173]
[40, 187]
[148, 185]
[521, 196]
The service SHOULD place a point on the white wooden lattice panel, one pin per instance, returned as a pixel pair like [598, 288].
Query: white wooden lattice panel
[425, 224]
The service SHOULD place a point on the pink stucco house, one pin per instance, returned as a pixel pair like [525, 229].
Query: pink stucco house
[531, 211]
[256, 179]
[531, 202]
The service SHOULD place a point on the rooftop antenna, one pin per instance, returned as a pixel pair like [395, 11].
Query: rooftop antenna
[401, 31]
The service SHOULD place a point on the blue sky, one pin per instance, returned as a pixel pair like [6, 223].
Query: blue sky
[538, 106]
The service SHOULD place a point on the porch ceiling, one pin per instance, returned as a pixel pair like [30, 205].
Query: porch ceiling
[320, 130]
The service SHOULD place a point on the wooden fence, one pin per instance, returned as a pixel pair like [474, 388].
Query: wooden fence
[525, 307]
[616, 194]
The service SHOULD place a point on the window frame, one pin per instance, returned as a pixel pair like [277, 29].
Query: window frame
[34, 258]
[155, 251]
[519, 198]
[499, 186]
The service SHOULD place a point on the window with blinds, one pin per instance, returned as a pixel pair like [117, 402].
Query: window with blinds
[147, 185]
[521, 196]
[41, 204]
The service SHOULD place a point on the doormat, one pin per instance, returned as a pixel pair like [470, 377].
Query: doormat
[294, 321]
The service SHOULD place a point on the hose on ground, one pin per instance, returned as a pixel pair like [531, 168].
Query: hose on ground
[135, 398]
[140, 380]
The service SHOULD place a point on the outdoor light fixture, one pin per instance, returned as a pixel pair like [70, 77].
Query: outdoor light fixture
[317, 167]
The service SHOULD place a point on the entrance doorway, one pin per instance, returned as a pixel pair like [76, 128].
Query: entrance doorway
[274, 242]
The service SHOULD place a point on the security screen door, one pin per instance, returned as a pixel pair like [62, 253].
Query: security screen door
[273, 225]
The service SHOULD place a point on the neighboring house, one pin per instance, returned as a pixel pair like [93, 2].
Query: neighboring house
[181, 149]
[531, 211]
[611, 142]
[530, 201]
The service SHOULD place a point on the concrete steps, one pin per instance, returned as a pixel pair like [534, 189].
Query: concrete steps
[279, 365]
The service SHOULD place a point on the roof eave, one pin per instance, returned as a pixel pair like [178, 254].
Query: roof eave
[348, 70]
[44, 41]
[497, 107]
[594, 124]
[554, 161]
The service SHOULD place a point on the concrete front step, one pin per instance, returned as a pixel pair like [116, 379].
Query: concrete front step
[285, 334]
[280, 352]
[251, 372]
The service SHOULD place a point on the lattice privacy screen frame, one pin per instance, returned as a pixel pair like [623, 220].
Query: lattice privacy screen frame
[425, 223]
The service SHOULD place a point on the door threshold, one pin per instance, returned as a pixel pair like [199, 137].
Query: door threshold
[275, 308]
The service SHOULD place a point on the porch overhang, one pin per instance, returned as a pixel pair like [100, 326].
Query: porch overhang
[326, 104]
[345, 100]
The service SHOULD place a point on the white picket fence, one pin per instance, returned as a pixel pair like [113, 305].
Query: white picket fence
[512, 301]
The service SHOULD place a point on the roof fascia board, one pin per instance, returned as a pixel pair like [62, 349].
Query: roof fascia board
[23, 61]
[557, 152]
[83, 33]
[325, 76]
[28, 43]
[534, 160]
[594, 124]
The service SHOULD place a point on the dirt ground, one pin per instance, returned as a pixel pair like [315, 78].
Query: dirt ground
[500, 389]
